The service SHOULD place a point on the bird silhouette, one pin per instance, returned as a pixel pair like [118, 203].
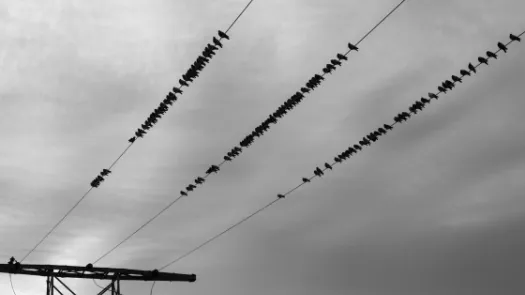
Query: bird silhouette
[456, 79]
[183, 83]
[464, 73]
[177, 90]
[226, 158]
[321, 173]
[514, 38]
[280, 196]
[327, 166]
[213, 168]
[335, 62]
[341, 57]
[217, 42]
[357, 147]
[223, 35]
[352, 47]
[305, 90]
[387, 127]
[502, 47]
[441, 89]
[327, 71]
[432, 95]
[331, 67]
[483, 60]
[306, 179]
[337, 160]
[105, 172]
[425, 100]
[132, 140]
[471, 67]
[449, 84]
[199, 180]
[183, 193]
[491, 54]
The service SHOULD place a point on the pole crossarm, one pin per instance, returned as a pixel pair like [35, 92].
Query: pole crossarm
[98, 273]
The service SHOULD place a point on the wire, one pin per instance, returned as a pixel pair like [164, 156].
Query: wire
[272, 202]
[12, 287]
[233, 23]
[152, 286]
[57, 224]
[379, 23]
[137, 230]
[111, 166]
[221, 233]
[292, 101]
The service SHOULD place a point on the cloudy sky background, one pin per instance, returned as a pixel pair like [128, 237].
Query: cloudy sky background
[435, 207]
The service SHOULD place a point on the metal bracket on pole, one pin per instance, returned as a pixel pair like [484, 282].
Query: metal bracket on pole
[115, 275]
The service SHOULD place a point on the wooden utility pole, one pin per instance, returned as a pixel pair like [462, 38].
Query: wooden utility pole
[115, 275]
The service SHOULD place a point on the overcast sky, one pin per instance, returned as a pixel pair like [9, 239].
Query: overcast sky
[434, 207]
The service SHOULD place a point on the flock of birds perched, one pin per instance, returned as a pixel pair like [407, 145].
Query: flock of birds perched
[191, 74]
[287, 106]
[416, 107]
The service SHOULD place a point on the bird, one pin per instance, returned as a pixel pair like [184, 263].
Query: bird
[132, 140]
[456, 79]
[327, 71]
[357, 147]
[441, 89]
[432, 95]
[190, 187]
[177, 90]
[330, 66]
[213, 168]
[223, 35]
[280, 196]
[226, 158]
[306, 179]
[337, 160]
[327, 166]
[341, 57]
[183, 83]
[305, 90]
[352, 47]
[449, 84]
[502, 47]
[217, 42]
[514, 38]
[319, 171]
[12, 260]
[483, 60]
[183, 193]
[335, 62]
[105, 172]
[464, 73]
[491, 54]
[471, 67]
[387, 127]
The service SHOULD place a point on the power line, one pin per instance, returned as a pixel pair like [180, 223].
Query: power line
[11, 281]
[209, 51]
[259, 131]
[282, 196]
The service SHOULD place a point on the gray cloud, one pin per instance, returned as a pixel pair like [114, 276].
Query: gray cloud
[434, 207]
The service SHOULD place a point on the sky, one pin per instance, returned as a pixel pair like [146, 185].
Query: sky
[434, 207]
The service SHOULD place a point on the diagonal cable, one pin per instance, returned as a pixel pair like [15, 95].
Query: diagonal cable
[282, 196]
[170, 98]
[287, 106]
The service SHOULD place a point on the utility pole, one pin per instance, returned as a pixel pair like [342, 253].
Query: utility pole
[115, 275]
